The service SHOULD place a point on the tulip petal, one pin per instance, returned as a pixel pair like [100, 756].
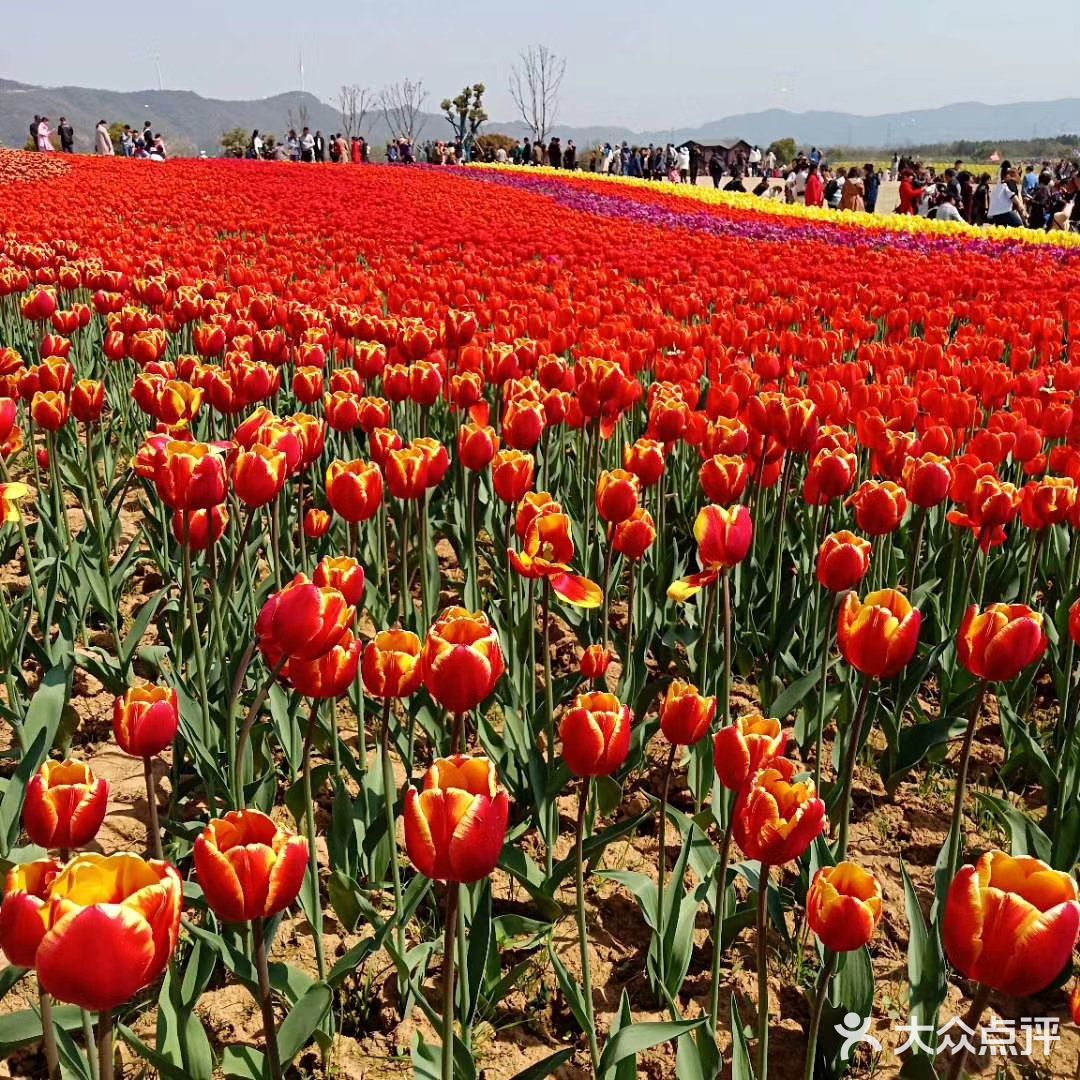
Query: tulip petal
[681, 590]
[577, 590]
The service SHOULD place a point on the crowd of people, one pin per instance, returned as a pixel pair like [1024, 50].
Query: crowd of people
[132, 143]
[309, 146]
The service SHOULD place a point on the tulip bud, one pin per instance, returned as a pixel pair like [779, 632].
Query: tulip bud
[329, 675]
[878, 636]
[685, 715]
[259, 475]
[595, 734]
[114, 923]
[1011, 924]
[594, 662]
[927, 479]
[455, 826]
[724, 478]
[616, 495]
[776, 817]
[248, 867]
[511, 475]
[302, 621]
[843, 906]
[343, 573]
[843, 561]
[26, 889]
[462, 660]
[49, 410]
[65, 805]
[634, 536]
[391, 665]
[354, 489]
[190, 476]
[88, 401]
[316, 523]
[743, 747]
[477, 446]
[145, 720]
[879, 507]
[998, 643]
[645, 459]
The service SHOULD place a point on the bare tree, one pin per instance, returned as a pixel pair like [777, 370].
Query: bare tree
[402, 104]
[534, 86]
[354, 103]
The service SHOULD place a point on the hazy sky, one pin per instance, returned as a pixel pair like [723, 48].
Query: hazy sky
[640, 63]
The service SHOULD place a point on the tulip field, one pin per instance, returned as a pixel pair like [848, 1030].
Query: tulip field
[487, 623]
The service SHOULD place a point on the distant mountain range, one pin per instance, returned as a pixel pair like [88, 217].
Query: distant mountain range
[190, 123]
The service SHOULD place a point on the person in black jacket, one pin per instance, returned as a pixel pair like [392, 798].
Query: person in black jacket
[34, 125]
[320, 146]
[555, 153]
[870, 187]
[67, 136]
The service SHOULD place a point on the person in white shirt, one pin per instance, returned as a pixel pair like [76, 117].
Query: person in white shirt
[684, 164]
[1006, 206]
[753, 159]
[946, 209]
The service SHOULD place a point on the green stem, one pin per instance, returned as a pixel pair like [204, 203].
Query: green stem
[583, 930]
[48, 1033]
[388, 797]
[956, 824]
[725, 689]
[718, 923]
[266, 1001]
[309, 830]
[661, 861]
[549, 701]
[819, 734]
[855, 738]
[763, 974]
[825, 978]
[249, 723]
[449, 932]
[91, 1042]
[106, 1057]
[971, 1021]
[151, 803]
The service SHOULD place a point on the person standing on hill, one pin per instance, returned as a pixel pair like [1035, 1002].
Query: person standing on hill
[555, 153]
[320, 147]
[569, 158]
[307, 146]
[871, 183]
[34, 125]
[44, 136]
[815, 187]
[103, 146]
[67, 136]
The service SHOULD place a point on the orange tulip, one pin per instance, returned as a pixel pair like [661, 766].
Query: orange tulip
[455, 826]
[595, 661]
[724, 478]
[746, 745]
[341, 572]
[724, 536]
[190, 476]
[595, 732]
[685, 714]
[998, 643]
[204, 528]
[248, 867]
[843, 561]
[145, 720]
[1074, 622]
[259, 475]
[10, 494]
[511, 475]
[878, 636]
[49, 410]
[645, 459]
[22, 926]
[831, 473]
[927, 479]
[113, 923]
[1047, 501]
[88, 400]
[616, 495]
[1011, 924]
[354, 489]
[317, 523]
[406, 472]
[776, 818]
[843, 906]
[634, 536]
[303, 620]
[547, 550]
[391, 665]
[880, 506]
[328, 675]
[462, 660]
[65, 805]
[477, 446]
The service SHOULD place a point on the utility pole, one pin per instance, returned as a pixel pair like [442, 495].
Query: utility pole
[302, 87]
[157, 66]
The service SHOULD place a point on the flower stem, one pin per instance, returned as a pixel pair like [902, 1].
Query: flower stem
[48, 1033]
[763, 973]
[105, 1046]
[815, 1017]
[388, 796]
[956, 825]
[661, 862]
[151, 803]
[266, 1001]
[549, 701]
[449, 934]
[971, 1020]
[91, 1042]
[309, 829]
[849, 777]
[718, 924]
[819, 734]
[583, 932]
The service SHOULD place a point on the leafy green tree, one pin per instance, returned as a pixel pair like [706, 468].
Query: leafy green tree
[235, 142]
[116, 133]
[784, 149]
[466, 112]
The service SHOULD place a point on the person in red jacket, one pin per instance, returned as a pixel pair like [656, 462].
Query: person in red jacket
[911, 189]
[815, 187]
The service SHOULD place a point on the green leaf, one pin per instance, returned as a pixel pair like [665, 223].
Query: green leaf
[479, 945]
[240, 1062]
[545, 1067]
[1025, 837]
[139, 625]
[571, 991]
[926, 966]
[303, 1019]
[741, 1063]
[21, 1028]
[630, 1041]
[165, 1068]
[792, 696]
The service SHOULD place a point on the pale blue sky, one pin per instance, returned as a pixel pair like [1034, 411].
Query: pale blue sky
[641, 63]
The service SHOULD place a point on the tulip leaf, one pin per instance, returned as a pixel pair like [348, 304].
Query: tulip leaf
[926, 967]
[793, 695]
[545, 1067]
[21, 1028]
[306, 1015]
[1025, 837]
[741, 1063]
[139, 625]
[240, 1062]
[630, 1041]
[697, 1056]
[572, 991]
[427, 1060]
[73, 1063]
[479, 946]
[593, 847]
[623, 1018]
[164, 1066]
